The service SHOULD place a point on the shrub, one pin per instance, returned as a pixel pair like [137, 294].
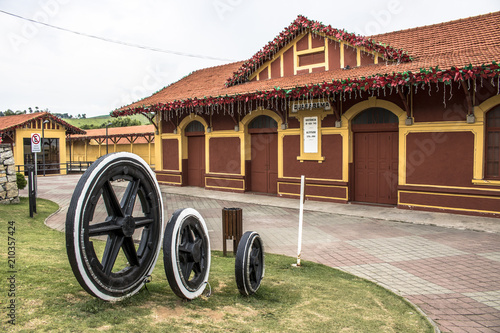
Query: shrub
[21, 181]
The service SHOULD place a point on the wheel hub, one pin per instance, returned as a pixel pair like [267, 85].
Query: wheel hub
[128, 225]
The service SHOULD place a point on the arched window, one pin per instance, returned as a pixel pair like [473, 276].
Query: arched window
[195, 126]
[492, 143]
[375, 116]
[263, 122]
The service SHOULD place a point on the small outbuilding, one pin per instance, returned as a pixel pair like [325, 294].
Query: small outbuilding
[17, 131]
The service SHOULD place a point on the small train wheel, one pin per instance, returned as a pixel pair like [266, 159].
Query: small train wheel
[186, 253]
[249, 264]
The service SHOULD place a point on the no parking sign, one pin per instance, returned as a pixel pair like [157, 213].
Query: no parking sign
[36, 146]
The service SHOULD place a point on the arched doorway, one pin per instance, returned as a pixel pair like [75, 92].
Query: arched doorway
[264, 154]
[195, 134]
[376, 156]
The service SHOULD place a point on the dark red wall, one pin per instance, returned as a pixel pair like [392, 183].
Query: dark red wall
[440, 158]
[333, 54]
[331, 149]
[167, 127]
[225, 155]
[221, 122]
[350, 57]
[431, 108]
[170, 154]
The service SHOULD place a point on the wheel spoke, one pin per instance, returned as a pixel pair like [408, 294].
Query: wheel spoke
[111, 251]
[186, 269]
[143, 221]
[103, 228]
[110, 201]
[128, 201]
[130, 252]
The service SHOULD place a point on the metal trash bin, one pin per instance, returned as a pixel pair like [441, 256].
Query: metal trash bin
[232, 227]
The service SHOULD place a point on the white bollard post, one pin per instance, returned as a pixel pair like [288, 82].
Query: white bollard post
[301, 218]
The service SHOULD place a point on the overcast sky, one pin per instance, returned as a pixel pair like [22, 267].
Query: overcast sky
[69, 73]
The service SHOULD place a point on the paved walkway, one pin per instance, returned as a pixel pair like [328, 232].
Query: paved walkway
[448, 265]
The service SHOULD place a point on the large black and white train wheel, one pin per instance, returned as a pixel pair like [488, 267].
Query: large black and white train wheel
[118, 200]
[249, 264]
[186, 253]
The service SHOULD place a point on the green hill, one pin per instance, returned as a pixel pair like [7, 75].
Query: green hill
[99, 120]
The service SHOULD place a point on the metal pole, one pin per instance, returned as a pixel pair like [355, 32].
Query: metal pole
[43, 144]
[36, 179]
[106, 139]
[301, 218]
[43, 148]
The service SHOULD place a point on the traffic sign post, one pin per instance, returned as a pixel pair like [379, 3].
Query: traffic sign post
[36, 147]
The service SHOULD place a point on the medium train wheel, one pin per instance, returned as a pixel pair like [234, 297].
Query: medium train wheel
[249, 264]
[117, 199]
[186, 253]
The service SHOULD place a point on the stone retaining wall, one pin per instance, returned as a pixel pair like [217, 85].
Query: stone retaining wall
[9, 192]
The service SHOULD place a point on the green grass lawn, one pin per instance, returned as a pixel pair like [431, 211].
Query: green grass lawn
[312, 298]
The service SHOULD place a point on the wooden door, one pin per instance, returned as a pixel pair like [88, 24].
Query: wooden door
[196, 161]
[376, 167]
[264, 163]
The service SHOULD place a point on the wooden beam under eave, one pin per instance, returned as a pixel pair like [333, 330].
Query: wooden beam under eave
[405, 103]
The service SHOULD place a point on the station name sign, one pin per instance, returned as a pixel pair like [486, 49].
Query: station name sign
[296, 107]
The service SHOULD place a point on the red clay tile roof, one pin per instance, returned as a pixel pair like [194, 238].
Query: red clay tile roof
[459, 47]
[9, 123]
[119, 132]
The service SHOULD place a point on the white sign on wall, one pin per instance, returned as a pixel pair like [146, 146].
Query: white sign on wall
[310, 134]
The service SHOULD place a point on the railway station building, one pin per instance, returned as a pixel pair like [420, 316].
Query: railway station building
[409, 118]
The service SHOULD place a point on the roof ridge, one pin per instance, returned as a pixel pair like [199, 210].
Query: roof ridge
[33, 116]
[298, 26]
[434, 25]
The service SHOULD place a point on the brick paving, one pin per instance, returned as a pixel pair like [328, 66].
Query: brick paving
[452, 274]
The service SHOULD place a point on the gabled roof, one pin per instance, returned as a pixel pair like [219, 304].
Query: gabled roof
[297, 27]
[9, 123]
[452, 51]
[116, 132]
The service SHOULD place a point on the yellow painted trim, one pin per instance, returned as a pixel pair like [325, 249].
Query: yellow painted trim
[342, 55]
[477, 129]
[309, 50]
[282, 68]
[223, 187]
[316, 179]
[449, 208]
[327, 55]
[167, 183]
[316, 196]
[480, 114]
[172, 175]
[486, 182]
[358, 57]
[457, 187]
[310, 67]
[295, 63]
